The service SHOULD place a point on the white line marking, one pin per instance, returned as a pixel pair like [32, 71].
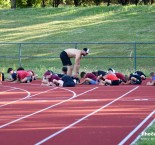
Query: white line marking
[138, 127]
[18, 99]
[83, 118]
[141, 99]
[7, 91]
[136, 99]
[145, 99]
[52, 106]
[90, 100]
[28, 96]
[138, 137]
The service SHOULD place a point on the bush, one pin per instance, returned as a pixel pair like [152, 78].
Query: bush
[4, 3]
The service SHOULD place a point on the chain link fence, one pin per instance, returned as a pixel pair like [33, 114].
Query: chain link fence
[123, 57]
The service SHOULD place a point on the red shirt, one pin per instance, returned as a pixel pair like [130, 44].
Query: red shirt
[120, 76]
[91, 76]
[22, 74]
[111, 77]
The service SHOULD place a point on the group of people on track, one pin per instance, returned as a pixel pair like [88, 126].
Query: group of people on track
[70, 73]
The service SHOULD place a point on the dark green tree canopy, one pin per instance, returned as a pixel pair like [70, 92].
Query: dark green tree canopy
[55, 3]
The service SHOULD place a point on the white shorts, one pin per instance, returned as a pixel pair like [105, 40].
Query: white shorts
[60, 83]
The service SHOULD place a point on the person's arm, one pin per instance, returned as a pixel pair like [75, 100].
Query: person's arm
[17, 80]
[127, 83]
[99, 77]
[9, 79]
[150, 83]
[82, 81]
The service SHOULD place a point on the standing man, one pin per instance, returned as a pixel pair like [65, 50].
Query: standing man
[73, 53]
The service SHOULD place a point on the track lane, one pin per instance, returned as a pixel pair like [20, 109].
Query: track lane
[56, 116]
[90, 130]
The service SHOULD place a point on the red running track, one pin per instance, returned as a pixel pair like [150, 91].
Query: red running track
[83, 115]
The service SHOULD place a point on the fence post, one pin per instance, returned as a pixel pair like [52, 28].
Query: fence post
[19, 54]
[135, 57]
[76, 46]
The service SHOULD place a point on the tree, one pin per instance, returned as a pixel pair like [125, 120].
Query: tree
[43, 3]
[97, 2]
[56, 3]
[30, 3]
[108, 3]
[123, 2]
[77, 3]
[13, 4]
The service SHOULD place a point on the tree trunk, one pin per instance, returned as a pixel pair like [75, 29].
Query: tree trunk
[136, 2]
[43, 3]
[76, 3]
[56, 3]
[13, 4]
[108, 4]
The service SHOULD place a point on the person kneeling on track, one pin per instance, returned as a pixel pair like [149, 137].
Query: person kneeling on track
[48, 78]
[110, 79]
[65, 81]
[47, 73]
[88, 78]
[21, 76]
[152, 82]
[133, 79]
[141, 74]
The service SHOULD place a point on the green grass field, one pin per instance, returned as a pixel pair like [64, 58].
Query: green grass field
[81, 24]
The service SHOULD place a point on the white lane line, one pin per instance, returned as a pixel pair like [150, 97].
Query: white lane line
[52, 106]
[90, 100]
[28, 96]
[141, 99]
[6, 91]
[138, 127]
[83, 118]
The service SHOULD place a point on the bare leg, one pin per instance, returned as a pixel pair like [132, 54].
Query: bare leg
[69, 70]
[23, 80]
[107, 82]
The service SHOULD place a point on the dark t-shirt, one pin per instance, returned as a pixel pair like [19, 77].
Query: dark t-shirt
[60, 75]
[68, 81]
[138, 81]
[101, 73]
[140, 73]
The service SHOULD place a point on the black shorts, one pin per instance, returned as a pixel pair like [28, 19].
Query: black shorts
[65, 59]
[137, 82]
[68, 81]
[115, 83]
[69, 84]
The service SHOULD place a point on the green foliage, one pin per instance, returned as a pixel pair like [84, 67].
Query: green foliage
[60, 3]
[21, 3]
[4, 3]
[27, 3]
